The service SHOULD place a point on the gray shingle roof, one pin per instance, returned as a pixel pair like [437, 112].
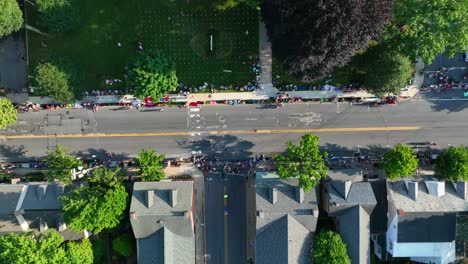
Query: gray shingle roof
[285, 228]
[353, 226]
[359, 193]
[37, 202]
[426, 227]
[425, 202]
[163, 222]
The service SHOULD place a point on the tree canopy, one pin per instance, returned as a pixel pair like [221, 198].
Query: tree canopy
[59, 16]
[329, 249]
[11, 17]
[386, 71]
[7, 113]
[123, 245]
[304, 161]
[452, 164]
[96, 207]
[427, 28]
[151, 165]
[227, 4]
[54, 82]
[60, 164]
[399, 161]
[46, 248]
[153, 75]
[311, 38]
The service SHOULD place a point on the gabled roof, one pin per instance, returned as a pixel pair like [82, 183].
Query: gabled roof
[360, 193]
[425, 202]
[425, 227]
[286, 221]
[283, 241]
[354, 228]
[33, 206]
[160, 214]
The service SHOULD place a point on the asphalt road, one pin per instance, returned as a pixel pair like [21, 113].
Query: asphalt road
[442, 121]
[226, 234]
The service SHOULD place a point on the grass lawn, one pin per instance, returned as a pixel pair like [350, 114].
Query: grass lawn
[179, 28]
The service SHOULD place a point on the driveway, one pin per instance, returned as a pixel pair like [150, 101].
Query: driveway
[13, 70]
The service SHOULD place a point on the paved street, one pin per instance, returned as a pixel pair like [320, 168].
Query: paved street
[443, 121]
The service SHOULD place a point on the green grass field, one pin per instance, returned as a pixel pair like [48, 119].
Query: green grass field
[180, 29]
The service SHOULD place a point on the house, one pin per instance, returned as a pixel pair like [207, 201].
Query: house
[161, 215]
[350, 201]
[33, 206]
[422, 219]
[286, 218]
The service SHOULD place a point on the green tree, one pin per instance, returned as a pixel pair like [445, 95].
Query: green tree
[151, 165]
[60, 164]
[452, 164]
[11, 17]
[123, 245]
[59, 16]
[399, 161]
[45, 248]
[385, 71]
[427, 28]
[54, 82]
[227, 4]
[329, 249]
[80, 252]
[305, 161]
[96, 207]
[153, 75]
[7, 113]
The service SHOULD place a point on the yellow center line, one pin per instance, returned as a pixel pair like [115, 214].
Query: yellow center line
[226, 132]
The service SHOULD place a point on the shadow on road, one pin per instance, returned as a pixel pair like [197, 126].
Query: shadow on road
[12, 154]
[225, 147]
[101, 154]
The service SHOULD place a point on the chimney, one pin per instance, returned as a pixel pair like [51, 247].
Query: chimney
[61, 226]
[149, 198]
[42, 225]
[186, 214]
[435, 188]
[41, 190]
[462, 189]
[315, 212]
[133, 216]
[173, 197]
[299, 194]
[15, 180]
[412, 187]
[273, 195]
[260, 214]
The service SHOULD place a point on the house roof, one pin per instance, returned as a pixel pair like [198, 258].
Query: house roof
[283, 241]
[9, 197]
[426, 227]
[286, 221]
[360, 193]
[164, 246]
[162, 221]
[379, 214]
[354, 229]
[38, 204]
[43, 196]
[425, 202]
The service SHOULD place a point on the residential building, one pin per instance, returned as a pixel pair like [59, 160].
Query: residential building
[286, 218]
[422, 219]
[33, 206]
[350, 201]
[161, 215]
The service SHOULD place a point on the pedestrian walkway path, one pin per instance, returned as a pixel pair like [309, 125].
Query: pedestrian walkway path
[265, 55]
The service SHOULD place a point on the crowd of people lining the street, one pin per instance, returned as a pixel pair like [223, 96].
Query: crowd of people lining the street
[443, 81]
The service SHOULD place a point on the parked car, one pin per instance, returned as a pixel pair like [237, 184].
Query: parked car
[371, 100]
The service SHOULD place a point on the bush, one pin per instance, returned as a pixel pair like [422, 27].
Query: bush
[123, 245]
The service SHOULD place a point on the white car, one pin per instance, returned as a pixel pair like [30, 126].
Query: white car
[371, 100]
